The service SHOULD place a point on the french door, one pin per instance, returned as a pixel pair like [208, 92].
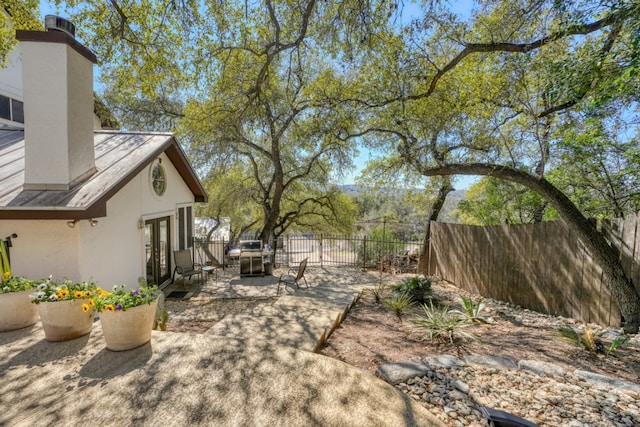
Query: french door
[157, 250]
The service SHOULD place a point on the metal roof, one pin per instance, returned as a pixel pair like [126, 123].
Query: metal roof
[120, 156]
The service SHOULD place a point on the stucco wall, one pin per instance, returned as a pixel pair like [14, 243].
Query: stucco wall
[43, 248]
[110, 253]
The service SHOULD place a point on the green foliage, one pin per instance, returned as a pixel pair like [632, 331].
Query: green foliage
[442, 324]
[471, 310]
[617, 343]
[599, 166]
[244, 91]
[17, 284]
[417, 288]
[21, 15]
[493, 202]
[399, 302]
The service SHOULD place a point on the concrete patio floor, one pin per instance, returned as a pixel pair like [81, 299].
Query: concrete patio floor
[255, 370]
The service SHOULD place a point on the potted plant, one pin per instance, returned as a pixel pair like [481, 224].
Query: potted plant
[127, 316]
[16, 311]
[66, 309]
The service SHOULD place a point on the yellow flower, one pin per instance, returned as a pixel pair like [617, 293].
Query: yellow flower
[91, 303]
[85, 308]
[109, 307]
[63, 292]
[87, 293]
[77, 294]
[6, 275]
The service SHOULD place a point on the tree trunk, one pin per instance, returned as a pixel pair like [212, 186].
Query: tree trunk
[445, 189]
[615, 278]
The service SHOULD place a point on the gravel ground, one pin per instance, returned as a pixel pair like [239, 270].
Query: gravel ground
[373, 339]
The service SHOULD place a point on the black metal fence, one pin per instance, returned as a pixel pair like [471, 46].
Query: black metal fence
[389, 253]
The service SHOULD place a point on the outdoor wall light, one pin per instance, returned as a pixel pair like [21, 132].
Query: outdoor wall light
[93, 222]
[72, 223]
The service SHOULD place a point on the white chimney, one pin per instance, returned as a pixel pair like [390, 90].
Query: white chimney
[57, 74]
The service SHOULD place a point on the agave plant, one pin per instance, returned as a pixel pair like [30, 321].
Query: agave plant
[472, 310]
[399, 303]
[442, 323]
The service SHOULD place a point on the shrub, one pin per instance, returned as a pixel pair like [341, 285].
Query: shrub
[417, 287]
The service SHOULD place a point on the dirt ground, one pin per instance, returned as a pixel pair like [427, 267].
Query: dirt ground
[372, 335]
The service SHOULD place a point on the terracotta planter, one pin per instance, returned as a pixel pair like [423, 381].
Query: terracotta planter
[124, 330]
[65, 320]
[17, 311]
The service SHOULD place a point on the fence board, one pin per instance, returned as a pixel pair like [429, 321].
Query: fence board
[538, 266]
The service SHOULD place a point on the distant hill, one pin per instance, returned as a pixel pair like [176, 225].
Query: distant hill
[351, 190]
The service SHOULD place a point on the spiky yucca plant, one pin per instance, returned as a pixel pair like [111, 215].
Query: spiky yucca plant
[472, 310]
[442, 323]
[399, 303]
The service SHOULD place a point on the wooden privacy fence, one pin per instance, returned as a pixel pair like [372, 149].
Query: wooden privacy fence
[538, 266]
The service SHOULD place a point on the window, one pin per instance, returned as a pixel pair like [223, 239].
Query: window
[5, 107]
[185, 227]
[11, 109]
[158, 179]
[17, 111]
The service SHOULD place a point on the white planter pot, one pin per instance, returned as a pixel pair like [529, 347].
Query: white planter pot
[125, 330]
[65, 320]
[17, 311]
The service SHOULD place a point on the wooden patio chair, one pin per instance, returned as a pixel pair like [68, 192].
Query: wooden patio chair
[185, 266]
[290, 279]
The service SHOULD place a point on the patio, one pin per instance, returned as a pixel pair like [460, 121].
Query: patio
[248, 370]
[300, 318]
[227, 283]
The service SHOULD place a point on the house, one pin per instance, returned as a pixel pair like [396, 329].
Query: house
[86, 204]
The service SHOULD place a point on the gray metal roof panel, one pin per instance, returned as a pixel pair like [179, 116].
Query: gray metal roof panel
[119, 157]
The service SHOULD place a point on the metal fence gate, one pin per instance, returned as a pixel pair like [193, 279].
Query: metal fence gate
[389, 253]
